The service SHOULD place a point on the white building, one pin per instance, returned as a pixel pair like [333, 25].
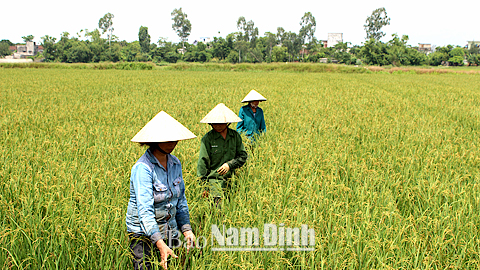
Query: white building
[334, 39]
[24, 51]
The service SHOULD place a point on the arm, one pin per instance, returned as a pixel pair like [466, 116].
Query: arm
[141, 178]
[203, 162]
[183, 215]
[263, 127]
[240, 155]
[241, 125]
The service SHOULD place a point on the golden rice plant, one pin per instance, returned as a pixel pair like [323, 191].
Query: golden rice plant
[384, 167]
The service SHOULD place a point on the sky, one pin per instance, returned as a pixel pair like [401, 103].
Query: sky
[435, 22]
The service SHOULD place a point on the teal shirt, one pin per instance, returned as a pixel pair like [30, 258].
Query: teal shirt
[215, 150]
[251, 124]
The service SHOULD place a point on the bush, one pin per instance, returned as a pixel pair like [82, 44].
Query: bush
[456, 60]
[473, 59]
[134, 66]
[232, 57]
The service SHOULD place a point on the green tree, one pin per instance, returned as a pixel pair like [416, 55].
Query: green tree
[112, 54]
[440, 56]
[28, 38]
[132, 52]
[181, 25]
[446, 49]
[232, 57]
[94, 36]
[396, 50]
[293, 43]
[375, 22]
[198, 53]
[62, 47]
[473, 59]
[457, 55]
[456, 60]
[49, 48]
[249, 32]
[474, 49]
[308, 27]
[105, 23]
[341, 53]
[220, 48]
[374, 52]
[172, 57]
[437, 58]
[270, 42]
[144, 39]
[165, 52]
[279, 54]
[242, 47]
[458, 51]
[97, 45]
[5, 47]
[79, 52]
[280, 34]
[7, 41]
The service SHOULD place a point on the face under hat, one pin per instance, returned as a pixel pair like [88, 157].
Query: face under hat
[163, 128]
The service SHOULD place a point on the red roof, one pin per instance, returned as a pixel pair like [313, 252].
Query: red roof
[13, 48]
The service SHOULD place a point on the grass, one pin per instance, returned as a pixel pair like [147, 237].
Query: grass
[385, 167]
[248, 67]
[103, 65]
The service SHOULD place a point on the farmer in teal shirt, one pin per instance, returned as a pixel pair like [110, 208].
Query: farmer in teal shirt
[253, 120]
[221, 151]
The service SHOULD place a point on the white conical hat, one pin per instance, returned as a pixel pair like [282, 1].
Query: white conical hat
[221, 114]
[252, 96]
[163, 128]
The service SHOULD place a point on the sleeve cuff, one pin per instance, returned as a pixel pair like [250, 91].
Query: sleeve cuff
[155, 237]
[186, 227]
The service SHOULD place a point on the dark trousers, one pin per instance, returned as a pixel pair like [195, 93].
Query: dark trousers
[144, 252]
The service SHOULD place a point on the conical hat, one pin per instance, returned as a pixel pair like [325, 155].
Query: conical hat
[252, 96]
[220, 115]
[163, 128]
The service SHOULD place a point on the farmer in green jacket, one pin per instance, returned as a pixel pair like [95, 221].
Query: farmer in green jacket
[221, 151]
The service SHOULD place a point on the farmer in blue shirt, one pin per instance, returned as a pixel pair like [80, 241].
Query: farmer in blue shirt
[157, 209]
[253, 120]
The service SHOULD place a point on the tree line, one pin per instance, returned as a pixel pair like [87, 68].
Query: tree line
[245, 46]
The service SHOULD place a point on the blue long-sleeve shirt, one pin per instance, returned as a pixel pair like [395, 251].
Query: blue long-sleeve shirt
[157, 198]
[251, 124]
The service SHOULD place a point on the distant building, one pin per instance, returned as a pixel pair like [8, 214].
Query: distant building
[25, 50]
[473, 44]
[334, 39]
[425, 48]
[204, 40]
[304, 51]
[324, 42]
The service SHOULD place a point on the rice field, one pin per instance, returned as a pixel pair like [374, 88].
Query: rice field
[384, 167]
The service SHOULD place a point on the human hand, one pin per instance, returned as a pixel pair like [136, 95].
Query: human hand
[165, 251]
[223, 169]
[190, 238]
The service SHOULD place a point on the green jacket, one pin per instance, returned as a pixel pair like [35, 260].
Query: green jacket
[215, 150]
